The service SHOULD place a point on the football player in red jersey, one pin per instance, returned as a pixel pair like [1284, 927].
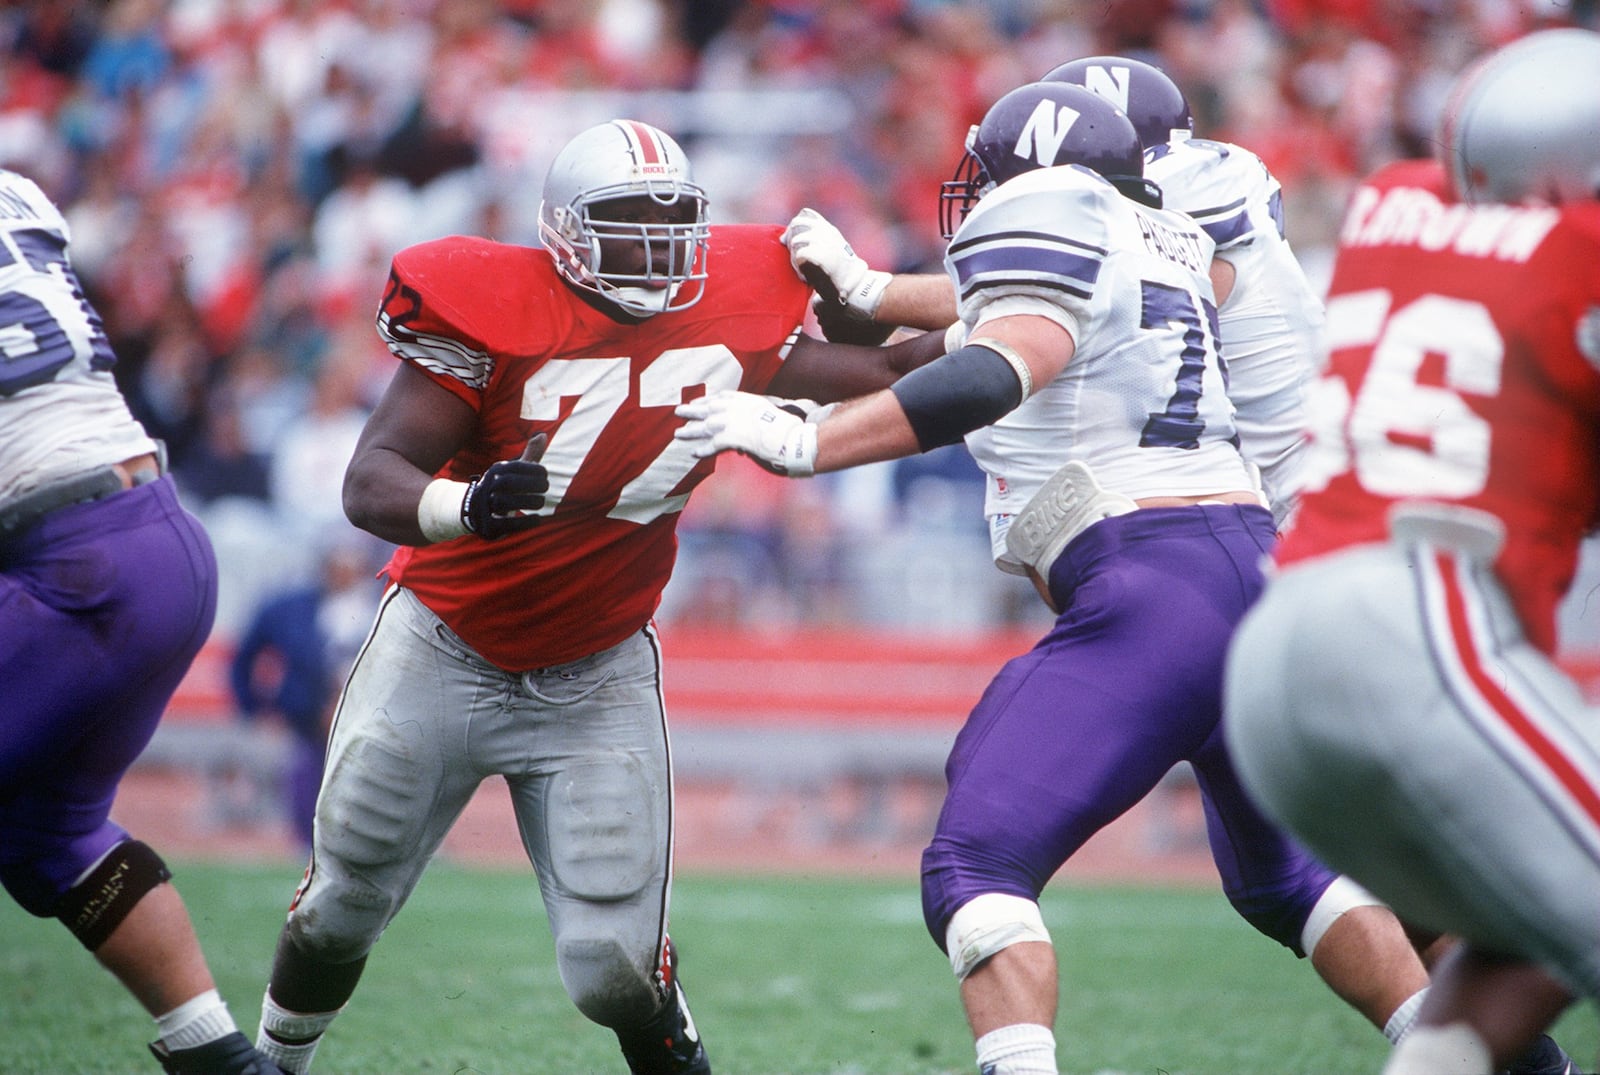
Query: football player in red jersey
[523, 458]
[1393, 697]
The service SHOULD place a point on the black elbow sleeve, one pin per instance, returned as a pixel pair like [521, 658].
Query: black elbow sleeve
[951, 396]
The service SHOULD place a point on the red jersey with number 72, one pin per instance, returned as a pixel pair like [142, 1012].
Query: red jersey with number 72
[1463, 369]
[497, 326]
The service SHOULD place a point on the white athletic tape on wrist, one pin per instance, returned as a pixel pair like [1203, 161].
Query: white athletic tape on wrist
[867, 296]
[1341, 896]
[987, 924]
[439, 510]
[798, 457]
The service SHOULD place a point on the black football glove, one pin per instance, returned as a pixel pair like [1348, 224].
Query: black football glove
[497, 499]
[841, 323]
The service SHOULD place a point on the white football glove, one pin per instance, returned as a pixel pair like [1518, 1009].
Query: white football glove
[819, 253]
[762, 427]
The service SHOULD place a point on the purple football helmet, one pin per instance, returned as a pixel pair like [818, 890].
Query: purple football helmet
[1153, 102]
[1043, 125]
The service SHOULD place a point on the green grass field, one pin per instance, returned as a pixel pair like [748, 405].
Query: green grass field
[801, 976]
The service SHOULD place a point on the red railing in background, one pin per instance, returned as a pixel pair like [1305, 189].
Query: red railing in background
[717, 676]
[810, 676]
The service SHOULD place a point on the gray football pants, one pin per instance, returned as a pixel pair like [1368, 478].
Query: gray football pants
[583, 748]
[1384, 705]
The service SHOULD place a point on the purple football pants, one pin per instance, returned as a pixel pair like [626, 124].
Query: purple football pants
[103, 606]
[1128, 683]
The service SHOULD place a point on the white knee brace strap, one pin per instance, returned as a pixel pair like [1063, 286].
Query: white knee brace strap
[988, 923]
[1341, 896]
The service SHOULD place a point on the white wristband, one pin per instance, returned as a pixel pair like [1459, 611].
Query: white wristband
[867, 296]
[439, 510]
[799, 454]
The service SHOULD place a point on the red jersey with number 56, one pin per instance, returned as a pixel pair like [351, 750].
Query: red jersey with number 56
[496, 325]
[1464, 369]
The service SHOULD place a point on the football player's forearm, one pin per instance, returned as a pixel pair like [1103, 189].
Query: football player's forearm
[867, 430]
[918, 300]
[830, 372]
[915, 352]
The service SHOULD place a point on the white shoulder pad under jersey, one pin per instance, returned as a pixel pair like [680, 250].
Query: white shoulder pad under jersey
[60, 410]
[1143, 400]
[1272, 322]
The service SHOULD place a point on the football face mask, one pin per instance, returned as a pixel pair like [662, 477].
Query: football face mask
[624, 221]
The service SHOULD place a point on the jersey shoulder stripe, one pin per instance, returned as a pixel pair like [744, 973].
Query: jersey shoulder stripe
[1036, 257]
[1226, 224]
[1226, 188]
[438, 354]
[1044, 230]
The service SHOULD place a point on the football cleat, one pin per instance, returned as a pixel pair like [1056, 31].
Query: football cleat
[1544, 1057]
[229, 1055]
[668, 1044]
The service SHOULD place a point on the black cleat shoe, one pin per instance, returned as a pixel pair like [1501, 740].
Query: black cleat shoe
[668, 1044]
[1544, 1057]
[230, 1055]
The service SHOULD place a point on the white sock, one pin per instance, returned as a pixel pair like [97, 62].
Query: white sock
[1401, 1021]
[1455, 1049]
[290, 1039]
[196, 1021]
[1019, 1049]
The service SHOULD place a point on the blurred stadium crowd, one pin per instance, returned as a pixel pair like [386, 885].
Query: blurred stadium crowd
[238, 172]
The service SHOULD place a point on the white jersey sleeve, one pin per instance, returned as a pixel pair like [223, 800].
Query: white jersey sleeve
[1143, 400]
[1272, 322]
[1226, 189]
[60, 411]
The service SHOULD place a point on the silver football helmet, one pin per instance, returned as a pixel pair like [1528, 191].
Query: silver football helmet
[643, 266]
[1524, 124]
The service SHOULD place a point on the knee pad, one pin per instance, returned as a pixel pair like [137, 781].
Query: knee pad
[94, 907]
[607, 986]
[336, 917]
[987, 924]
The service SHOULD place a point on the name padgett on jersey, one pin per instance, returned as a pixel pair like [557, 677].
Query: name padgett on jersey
[1173, 245]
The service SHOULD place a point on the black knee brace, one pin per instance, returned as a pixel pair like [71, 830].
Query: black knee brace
[96, 906]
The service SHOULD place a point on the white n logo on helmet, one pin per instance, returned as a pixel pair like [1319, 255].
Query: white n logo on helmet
[1044, 132]
[1110, 83]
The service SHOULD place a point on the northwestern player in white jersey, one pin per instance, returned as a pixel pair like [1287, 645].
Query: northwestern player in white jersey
[1271, 320]
[1084, 375]
[108, 589]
